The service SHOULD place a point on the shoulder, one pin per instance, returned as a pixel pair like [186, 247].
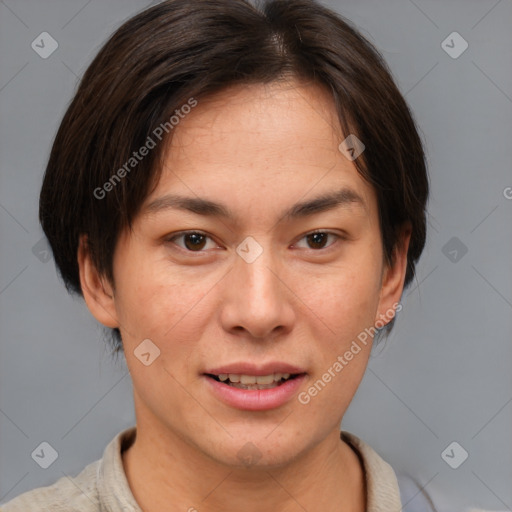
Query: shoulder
[99, 486]
[78, 494]
[414, 497]
[382, 490]
[387, 490]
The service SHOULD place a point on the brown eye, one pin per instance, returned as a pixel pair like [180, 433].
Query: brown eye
[317, 240]
[192, 241]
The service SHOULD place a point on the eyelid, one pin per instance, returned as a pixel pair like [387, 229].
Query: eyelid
[179, 234]
[338, 236]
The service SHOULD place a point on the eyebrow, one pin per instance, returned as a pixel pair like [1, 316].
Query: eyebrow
[345, 197]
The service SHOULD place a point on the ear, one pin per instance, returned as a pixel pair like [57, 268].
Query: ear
[393, 277]
[97, 291]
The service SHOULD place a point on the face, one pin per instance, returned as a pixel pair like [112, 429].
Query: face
[257, 253]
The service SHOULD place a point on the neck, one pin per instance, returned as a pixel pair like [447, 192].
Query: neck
[163, 469]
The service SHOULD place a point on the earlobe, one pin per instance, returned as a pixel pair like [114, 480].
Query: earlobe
[96, 289]
[393, 278]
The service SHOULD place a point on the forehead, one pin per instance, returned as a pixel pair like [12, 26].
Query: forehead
[260, 145]
[262, 116]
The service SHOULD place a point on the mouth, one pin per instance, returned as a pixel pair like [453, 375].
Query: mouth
[253, 382]
[246, 386]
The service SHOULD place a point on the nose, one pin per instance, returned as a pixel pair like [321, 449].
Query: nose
[257, 299]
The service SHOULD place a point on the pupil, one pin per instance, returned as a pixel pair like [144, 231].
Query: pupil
[317, 240]
[194, 241]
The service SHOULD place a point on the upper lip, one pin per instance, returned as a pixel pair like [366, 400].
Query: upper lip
[248, 368]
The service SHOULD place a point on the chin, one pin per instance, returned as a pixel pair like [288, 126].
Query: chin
[257, 454]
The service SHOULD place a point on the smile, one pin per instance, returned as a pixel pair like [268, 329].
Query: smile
[254, 392]
[256, 382]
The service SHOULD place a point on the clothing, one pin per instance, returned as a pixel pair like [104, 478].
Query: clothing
[102, 485]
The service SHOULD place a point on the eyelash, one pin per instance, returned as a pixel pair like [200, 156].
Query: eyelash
[185, 233]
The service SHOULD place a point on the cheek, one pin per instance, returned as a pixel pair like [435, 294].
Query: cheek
[346, 300]
[158, 302]
[335, 381]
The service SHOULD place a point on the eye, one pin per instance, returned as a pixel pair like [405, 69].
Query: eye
[193, 241]
[318, 239]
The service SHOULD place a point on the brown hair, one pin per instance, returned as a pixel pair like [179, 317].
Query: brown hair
[179, 50]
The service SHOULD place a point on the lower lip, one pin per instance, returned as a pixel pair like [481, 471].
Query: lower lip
[256, 399]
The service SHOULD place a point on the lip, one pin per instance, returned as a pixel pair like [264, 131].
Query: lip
[255, 399]
[248, 368]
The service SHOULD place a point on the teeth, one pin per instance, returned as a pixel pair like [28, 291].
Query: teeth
[248, 380]
[257, 379]
[254, 386]
[263, 379]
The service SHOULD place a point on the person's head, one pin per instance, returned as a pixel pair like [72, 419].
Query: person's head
[251, 129]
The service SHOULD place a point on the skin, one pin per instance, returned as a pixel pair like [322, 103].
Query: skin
[258, 150]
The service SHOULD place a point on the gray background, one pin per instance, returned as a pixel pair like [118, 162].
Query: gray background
[443, 375]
